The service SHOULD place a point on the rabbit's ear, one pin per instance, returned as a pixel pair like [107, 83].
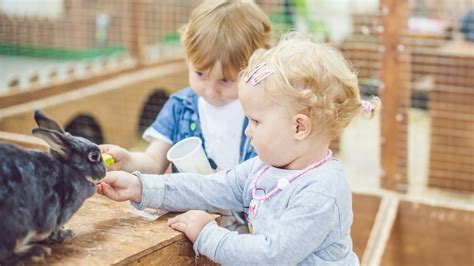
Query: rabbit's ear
[45, 121]
[56, 140]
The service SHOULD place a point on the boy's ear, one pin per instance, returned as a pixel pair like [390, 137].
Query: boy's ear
[301, 126]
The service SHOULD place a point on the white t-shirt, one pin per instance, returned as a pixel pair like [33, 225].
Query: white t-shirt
[222, 131]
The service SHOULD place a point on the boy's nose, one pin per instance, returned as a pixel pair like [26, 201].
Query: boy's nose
[211, 91]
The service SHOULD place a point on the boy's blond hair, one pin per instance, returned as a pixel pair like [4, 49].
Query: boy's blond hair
[228, 31]
[313, 76]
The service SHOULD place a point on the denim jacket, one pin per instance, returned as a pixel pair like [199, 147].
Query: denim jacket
[179, 119]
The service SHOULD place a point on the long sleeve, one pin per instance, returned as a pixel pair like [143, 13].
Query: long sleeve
[308, 222]
[302, 229]
[182, 192]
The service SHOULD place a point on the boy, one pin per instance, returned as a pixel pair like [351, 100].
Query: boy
[219, 39]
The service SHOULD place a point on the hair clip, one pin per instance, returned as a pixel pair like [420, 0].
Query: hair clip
[252, 72]
[258, 73]
[366, 106]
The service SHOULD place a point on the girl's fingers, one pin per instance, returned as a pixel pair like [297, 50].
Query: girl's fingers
[171, 221]
[110, 178]
[109, 191]
[179, 226]
[98, 189]
[177, 219]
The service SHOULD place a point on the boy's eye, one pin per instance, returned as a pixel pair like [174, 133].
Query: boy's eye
[255, 121]
[199, 73]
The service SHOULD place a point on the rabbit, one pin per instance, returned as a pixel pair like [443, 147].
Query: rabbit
[40, 191]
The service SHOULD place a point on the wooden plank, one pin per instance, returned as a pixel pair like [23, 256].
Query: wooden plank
[381, 230]
[435, 65]
[447, 132]
[29, 142]
[447, 147]
[452, 166]
[452, 175]
[109, 232]
[26, 96]
[394, 93]
[451, 184]
[446, 76]
[442, 59]
[443, 98]
[139, 75]
[439, 109]
[455, 138]
[454, 88]
[452, 157]
[451, 123]
[455, 115]
[365, 210]
[137, 40]
[452, 145]
[452, 132]
[428, 234]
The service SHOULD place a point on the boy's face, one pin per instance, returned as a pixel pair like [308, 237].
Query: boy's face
[212, 86]
[270, 126]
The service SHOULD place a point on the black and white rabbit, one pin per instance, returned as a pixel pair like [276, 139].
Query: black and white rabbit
[39, 192]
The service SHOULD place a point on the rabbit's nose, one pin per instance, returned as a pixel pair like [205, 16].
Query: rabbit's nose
[92, 180]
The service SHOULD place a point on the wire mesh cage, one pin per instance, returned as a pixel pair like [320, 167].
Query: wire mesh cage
[105, 69]
[46, 43]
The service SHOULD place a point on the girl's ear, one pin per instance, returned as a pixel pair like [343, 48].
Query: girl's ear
[301, 126]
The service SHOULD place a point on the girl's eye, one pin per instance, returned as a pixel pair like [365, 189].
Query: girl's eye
[94, 156]
[199, 73]
[255, 121]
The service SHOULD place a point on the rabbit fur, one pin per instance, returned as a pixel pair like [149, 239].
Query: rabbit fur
[40, 191]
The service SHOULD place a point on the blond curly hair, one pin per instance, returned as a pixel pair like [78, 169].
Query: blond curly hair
[315, 77]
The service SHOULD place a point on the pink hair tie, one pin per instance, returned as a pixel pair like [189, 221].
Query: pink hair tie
[258, 73]
[367, 106]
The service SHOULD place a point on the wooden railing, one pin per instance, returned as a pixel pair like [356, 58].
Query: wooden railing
[24, 141]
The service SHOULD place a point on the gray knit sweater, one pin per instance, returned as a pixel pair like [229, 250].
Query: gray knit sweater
[306, 223]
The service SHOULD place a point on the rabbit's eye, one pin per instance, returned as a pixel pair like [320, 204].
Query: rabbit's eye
[94, 156]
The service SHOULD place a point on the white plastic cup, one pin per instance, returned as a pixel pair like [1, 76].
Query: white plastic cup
[188, 156]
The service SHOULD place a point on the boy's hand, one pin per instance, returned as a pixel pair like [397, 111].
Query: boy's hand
[120, 186]
[190, 223]
[120, 155]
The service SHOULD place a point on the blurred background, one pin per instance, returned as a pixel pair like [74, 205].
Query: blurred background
[103, 69]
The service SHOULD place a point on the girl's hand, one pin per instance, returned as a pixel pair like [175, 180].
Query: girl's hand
[120, 155]
[190, 223]
[120, 186]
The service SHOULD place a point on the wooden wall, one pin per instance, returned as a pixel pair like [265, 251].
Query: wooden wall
[452, 129]
[116, 104]
[430, 235]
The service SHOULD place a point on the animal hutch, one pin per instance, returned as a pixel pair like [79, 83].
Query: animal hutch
[118, 61]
